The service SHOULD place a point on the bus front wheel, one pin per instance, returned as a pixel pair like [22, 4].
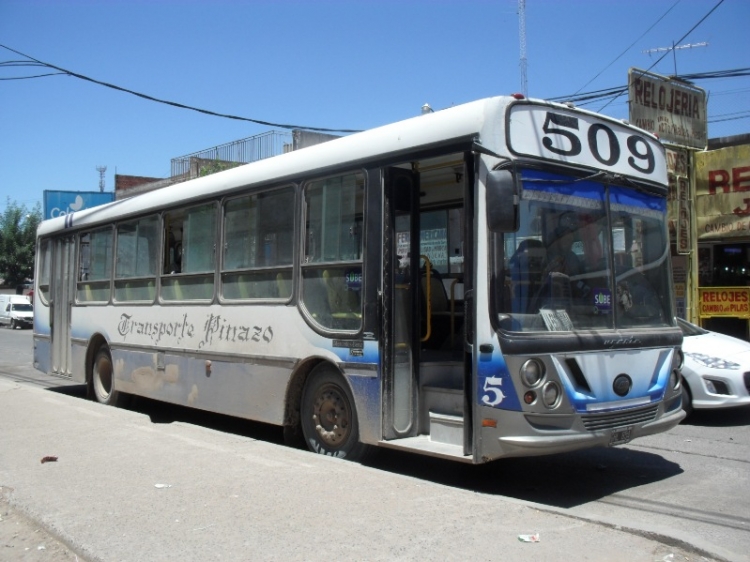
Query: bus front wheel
[103, 379]
[329, 420]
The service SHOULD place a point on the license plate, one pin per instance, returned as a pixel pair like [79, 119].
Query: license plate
[620, 435]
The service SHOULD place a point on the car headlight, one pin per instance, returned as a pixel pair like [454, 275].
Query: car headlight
[712, 362]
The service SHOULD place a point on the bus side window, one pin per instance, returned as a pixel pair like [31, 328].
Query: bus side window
[173, 227]
[190, 240]
[45, 263]
[332, 256]
[95, 265]
[135, 268]
[258, 245]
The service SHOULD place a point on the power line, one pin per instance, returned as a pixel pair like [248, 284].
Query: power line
[730, 117]
[35, 76]
[615, 91]
[175, 104]
[25, 64]
[630, 47]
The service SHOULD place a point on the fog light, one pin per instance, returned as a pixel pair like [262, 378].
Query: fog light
[716, 387]
[529, 397]
[532, 372]
[551, 394]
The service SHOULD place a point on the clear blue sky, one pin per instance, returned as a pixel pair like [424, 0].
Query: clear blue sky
[350, 64]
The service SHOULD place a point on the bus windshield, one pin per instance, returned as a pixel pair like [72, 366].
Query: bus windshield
[588, 255]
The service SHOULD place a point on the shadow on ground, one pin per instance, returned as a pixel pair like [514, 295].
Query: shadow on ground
[563, 480]
[720, 417]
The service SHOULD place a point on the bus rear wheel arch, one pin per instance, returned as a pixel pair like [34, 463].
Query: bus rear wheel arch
[329, 417]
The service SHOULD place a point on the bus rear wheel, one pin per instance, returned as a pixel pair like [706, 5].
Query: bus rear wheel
[329, 420]
[103, 379]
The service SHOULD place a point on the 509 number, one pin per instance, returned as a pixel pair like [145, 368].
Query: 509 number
[601, 142]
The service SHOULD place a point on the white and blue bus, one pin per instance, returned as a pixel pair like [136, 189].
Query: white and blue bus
[485, 281]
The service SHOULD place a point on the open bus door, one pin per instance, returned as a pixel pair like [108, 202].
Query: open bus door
[400, 349]
[426, 370]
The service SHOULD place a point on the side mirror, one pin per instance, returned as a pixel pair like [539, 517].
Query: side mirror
[502, 201]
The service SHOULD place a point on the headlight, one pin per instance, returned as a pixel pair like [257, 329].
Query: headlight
[551, 394]
[712, 362]
[532, 371]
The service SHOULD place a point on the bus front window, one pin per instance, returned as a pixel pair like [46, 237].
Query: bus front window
[572, 265]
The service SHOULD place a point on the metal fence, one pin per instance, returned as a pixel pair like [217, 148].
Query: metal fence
[258, 147]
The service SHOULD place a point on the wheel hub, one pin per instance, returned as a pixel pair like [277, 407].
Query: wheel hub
[331, 417]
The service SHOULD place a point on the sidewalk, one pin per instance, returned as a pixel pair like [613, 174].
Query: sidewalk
[23, 539]
[126, 489]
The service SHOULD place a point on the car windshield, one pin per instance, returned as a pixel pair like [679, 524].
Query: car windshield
[588, 255]
[22, 307]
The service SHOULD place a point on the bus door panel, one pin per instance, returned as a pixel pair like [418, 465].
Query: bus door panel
[62, 281]
[401, 276]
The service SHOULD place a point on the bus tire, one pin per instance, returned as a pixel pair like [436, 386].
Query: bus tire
[103, 379]
[329, 419]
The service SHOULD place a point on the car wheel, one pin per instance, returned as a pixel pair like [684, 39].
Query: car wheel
[329, 419]
[12, 324]
[687, 399]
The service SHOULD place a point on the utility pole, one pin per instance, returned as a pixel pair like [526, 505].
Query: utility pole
[101, 170]
[522, 41]
[674, 48]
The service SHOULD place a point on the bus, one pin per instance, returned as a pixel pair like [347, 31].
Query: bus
[485, 281]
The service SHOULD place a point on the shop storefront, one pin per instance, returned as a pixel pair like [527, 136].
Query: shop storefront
[722, 226]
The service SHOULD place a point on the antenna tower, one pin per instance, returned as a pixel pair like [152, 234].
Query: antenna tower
[101, 170]
[522, 41]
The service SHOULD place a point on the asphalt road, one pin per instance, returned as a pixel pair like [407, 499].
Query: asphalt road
[232, 491]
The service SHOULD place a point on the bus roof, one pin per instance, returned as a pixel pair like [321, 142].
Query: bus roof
[463, 121]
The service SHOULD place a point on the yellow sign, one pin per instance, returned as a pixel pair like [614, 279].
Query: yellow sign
[722, 193]
[724, 301]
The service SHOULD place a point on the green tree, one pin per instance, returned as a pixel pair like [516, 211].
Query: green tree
[212, 166]
[17, 242]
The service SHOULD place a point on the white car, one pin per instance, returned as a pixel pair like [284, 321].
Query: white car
[716, 372]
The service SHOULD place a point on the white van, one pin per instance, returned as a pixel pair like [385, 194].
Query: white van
[16, 311]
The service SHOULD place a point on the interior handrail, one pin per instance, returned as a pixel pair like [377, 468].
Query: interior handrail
[428, 295]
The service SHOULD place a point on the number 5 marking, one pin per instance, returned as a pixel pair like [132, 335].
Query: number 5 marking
[561, 121]
[493, 395]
